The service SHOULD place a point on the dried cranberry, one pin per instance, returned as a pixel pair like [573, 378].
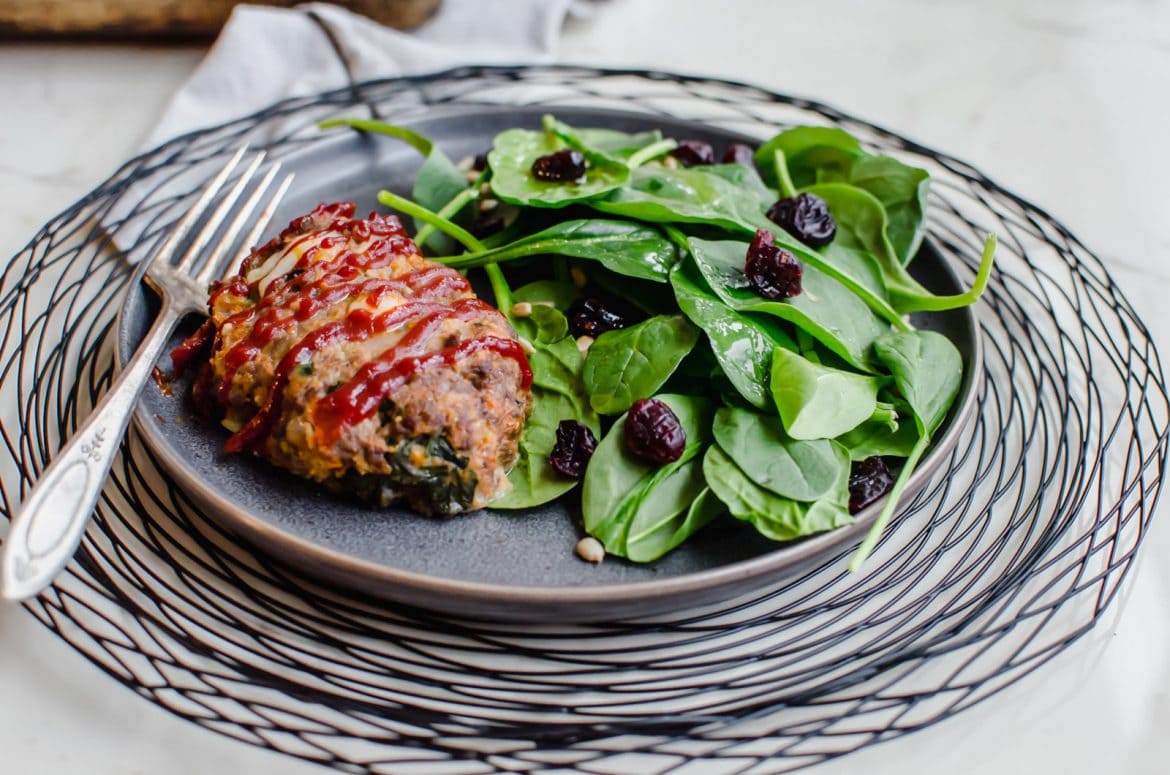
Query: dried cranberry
[738, 153]
[560, 166]
[591, 317]
[480, 162]
[654, 433]
[694, 152]
[575, 445]
[774, 273]
[869, 480]
[486, 225]
[806, 217]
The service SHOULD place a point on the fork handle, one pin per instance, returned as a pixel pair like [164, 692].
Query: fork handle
[47, 529]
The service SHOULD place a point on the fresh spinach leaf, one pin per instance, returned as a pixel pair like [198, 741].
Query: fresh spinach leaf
[809, 156]
[551, 325]
[559, 293]
[632, 363]
[741, 343]
[679, 507]
[826, 309]
[511, 158]
[558, 393]
[819, 402]
[744, 178]
[902, 191]
[608, 145]
[877, 437]
[630, 249]
[695, 195]
[800, 470]
[775, 517]
[659, 194]
[927, 371]
[534, 481]
[617, 483]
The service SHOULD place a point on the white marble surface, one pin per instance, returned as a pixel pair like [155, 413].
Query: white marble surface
[1064, 102]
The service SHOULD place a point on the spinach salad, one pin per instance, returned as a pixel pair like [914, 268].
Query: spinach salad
[708, 340]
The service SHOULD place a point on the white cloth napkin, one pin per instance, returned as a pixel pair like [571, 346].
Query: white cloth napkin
[267, 54]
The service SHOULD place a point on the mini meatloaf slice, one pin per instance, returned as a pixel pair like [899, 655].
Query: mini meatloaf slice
[341, 354]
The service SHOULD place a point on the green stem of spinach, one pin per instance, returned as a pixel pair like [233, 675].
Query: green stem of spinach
[675, 235]
[500, 289]
[415, 210]
[511, 252]
[891, 504]
[783, 179]
[413, 139]
[651, 152]
[448, 211]
[931, 303]
[495, 275]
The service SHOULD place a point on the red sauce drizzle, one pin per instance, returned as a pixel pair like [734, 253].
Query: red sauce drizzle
[359, 324]
[361, 396]
[282, 308]
[192, 347]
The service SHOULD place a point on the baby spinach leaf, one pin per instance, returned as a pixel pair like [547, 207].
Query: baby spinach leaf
[902, 191]
[745, 178]
[558, 393]
[812, 154]
[800, 470]
[927, 370]
[533, 480]
[684, 195]
[511, 158]
[679, 506]
[551, 325]
[877, 437]
[561, 294]
[819, 402]
[632, 363]
[631, 249]
[695, 195]
[741, 343]
[608, 144]
[775, 517]
[826, 309]
[617, 483]
[815, 155]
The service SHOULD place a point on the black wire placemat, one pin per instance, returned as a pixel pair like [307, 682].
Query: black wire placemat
[991, 571]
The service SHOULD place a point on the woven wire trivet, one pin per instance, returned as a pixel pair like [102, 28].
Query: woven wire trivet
[992, 570]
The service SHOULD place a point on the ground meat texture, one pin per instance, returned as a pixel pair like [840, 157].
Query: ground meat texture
[344, 356]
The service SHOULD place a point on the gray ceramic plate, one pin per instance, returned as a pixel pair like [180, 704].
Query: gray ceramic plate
[503, 565]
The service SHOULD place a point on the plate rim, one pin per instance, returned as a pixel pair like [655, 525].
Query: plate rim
[385, 582]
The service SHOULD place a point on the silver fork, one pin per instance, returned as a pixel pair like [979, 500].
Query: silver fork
[48, 528]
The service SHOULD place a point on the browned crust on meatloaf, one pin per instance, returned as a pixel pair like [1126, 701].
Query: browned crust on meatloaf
[442, 442]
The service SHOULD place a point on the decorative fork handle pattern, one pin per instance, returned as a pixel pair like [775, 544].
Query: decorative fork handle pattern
[48, 528]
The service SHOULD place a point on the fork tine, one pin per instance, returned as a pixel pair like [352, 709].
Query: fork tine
[262, 222]
[199, 244]
[217, 256]
[180, 231]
